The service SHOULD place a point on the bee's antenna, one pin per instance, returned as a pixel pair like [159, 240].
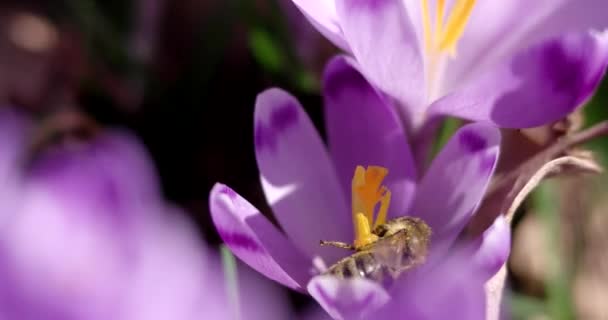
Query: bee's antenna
[338, 244]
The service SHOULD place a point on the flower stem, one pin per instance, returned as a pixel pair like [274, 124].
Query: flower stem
[231, 281]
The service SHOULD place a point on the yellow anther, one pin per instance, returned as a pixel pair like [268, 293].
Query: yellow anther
[363, 231]
[426, 27]
[456, 24]
[444, 37]
[370, 192]
[383, 210]
[358, 181]
[367, 193]
[439, 19]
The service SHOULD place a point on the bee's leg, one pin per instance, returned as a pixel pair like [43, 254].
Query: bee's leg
[338, 244]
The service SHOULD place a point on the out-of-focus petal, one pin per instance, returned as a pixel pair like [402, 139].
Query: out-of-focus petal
[491, 250]
[455, 183]
[252, 238]
[54, 242]
[385, 44]
[451, 291]
[256, 291]
[91, 176]
[538, 86]
[298, 177]
[363, 128]
[13, 129]
[322, 14]
[347, 298]
[167, 280]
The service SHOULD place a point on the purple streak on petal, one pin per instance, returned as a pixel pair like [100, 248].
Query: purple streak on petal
[229, 192]
[347, 298]
[264, 137]
[299, 179]
[472, 141]
[363, 128]
[239, 240]
[283, 117]
[453, 186]
[252, 238]
[537, 86]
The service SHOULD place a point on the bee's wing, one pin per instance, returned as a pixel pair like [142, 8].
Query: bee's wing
[389, 251]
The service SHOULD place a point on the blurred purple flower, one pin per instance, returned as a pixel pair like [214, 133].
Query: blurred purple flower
[309, 188]
[86, 235]
[515, 63]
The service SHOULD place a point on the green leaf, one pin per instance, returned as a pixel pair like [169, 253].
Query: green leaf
[231, 281]
[526, 307]
[266, 50]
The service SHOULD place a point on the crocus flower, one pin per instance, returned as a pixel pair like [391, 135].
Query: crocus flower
[310, 189]
[515, 63]
[87, 236]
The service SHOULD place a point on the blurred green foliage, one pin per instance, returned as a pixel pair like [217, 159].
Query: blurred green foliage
[229, 265]
[557, 303]
[596, 111]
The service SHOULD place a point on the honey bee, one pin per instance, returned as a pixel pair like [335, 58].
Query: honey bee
[402, 244]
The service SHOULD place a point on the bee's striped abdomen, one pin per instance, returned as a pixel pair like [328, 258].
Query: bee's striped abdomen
[360, 264]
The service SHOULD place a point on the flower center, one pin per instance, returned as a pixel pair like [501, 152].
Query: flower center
[370, 200]
[443, 37]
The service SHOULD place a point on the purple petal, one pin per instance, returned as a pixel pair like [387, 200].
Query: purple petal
[538, 86]
[385, 44]
[80, 209]
[173, 263]
[496, 31]
[252, 238]
[322, 15]
[347, 299]
[451, 291]
[456, 181]
[572, 15]
[298, 177]
[64, 251]
[110, 174]
[491, 251]
[364, 129]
